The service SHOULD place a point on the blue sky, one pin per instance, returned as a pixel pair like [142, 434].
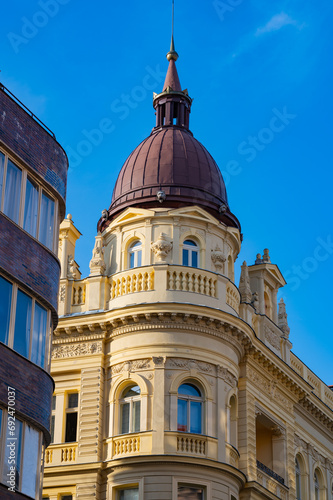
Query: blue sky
[260, 74]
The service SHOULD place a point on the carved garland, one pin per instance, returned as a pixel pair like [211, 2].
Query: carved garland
[72, 350]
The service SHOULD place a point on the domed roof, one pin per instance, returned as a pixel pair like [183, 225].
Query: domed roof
[173, 161]
[170, 168]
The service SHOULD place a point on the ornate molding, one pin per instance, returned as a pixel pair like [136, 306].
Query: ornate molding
[227, 376]
[62, 293]
[72, 350]
[190, 364]
[130, 366]
[218, 258]
[270, 388]
[272, 337]
[162, 247]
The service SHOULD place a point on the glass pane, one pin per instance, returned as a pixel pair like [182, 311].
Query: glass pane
[71, 425]
[46, 221]
[194, 259]
[12, 192]
[31, 461]
[189, 242]
[22, 324]
[31, 208]
[12, 458]
[54, 402]
[195, 417]
[52, 428]
[5, 304]
[39, 335]
[124, 418]
[188, 493]
[185, 257]
[137, 244]
[182, 415]
[2, 167]
[139, 254]
[189, 390]
[131, 391]
[136, 416]
[129, 494]
[131, 265]
[73, 400]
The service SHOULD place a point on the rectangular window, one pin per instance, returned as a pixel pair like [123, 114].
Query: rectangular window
[52, 428]
[66, 497]
[13, 192]
[12, 455]
[190, 493]
[185, 257]
[195, 417]
[46, 225]
[30, 461]
[39, 335]
[31, 208]
[71, 417]
[124, 416]
[182, 415]
[128, 494]
[2, 169]
[136, 416]
[194, 259]
[22, 324]
[5, 305]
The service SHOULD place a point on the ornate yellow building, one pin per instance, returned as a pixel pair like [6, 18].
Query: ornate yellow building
[171, 382]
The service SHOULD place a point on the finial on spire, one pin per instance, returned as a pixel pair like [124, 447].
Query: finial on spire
[172, 54]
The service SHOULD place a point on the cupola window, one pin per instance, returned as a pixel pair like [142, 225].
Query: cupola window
[190, 254]
[190, 408]
[135, 255]
[130, 409]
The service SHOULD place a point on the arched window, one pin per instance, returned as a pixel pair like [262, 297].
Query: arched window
[190, 254]
[298, 480]
[317, 486]
[135, 255]
[130, 408]
[232, 414]
[190, 409]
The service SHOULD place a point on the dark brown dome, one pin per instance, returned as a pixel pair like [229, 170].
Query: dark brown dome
[170, 168]
[173, 161]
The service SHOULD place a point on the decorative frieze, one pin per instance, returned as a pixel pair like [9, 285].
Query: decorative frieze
[130, 366]
[269, 387]
[190, 364]
[227, 376]
[72, 350]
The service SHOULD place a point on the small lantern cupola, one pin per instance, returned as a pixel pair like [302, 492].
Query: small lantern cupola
[172, 105]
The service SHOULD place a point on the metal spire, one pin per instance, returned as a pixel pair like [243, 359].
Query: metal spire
[172, 54]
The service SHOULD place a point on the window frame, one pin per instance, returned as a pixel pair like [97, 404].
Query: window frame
[191, 482]
[12, 321]
[129, 400]
[38, 469]
[194, 248]
[27, 175]
[71, 410]
[135, 252]
[189, 399]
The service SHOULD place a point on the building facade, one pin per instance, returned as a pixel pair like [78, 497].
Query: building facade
[33, 173]
[170, 381]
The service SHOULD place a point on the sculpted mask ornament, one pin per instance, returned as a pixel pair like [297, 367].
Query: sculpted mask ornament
[218, 259]
[162, 247]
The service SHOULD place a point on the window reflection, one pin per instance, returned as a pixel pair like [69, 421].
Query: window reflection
[22, 324]
[30, 461]
[46, 221]
[5, 305]
[38, 336]
[31, 208]
[13, 192]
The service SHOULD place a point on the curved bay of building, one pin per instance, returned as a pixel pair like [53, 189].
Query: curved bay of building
[33, 171]
[170, 381]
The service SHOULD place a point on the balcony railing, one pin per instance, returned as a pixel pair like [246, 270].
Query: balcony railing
[269, 472]
[60, 454]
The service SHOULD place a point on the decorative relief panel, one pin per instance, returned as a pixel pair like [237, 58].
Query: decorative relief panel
[130, 366]
[71, 350]
[269, 387]
[227, 376]
[272, 337]
[190, 364]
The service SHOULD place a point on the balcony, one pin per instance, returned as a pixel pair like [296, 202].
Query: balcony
[271, 481]
[170, 283]
[128, 445]
[60, 454]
